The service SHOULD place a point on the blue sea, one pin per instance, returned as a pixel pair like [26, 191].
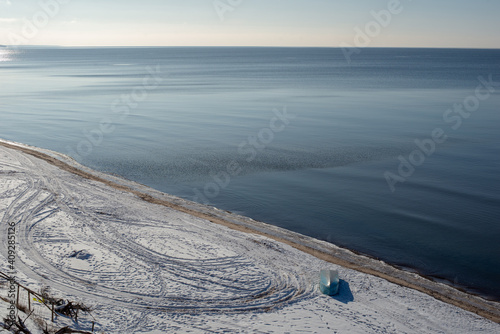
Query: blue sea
[394, 153]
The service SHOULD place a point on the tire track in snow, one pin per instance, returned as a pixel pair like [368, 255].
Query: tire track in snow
[226, 283]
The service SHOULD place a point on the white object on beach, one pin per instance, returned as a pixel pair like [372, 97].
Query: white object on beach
[329, 282]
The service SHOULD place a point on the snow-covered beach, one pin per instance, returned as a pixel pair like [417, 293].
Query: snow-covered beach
[148, 262]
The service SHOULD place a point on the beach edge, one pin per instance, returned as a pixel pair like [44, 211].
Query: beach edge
[320, 249]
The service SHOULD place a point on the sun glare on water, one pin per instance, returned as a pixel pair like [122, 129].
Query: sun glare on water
[6, 55]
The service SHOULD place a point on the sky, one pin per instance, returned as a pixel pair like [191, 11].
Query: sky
[312, 23]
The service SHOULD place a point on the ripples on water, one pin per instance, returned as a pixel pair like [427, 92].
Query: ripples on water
[323, 174]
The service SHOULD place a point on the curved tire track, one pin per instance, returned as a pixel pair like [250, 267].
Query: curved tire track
[229, 284]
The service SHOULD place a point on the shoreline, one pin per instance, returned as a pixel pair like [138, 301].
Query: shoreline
[320, 249]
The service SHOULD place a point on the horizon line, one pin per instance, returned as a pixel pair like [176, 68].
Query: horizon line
[246, 46]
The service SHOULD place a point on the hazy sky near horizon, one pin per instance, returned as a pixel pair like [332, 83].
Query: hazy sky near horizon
[328, 23]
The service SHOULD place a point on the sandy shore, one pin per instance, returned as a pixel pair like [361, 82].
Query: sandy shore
[155, 263]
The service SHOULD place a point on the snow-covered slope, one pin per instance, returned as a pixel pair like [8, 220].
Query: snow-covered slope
[148, 268]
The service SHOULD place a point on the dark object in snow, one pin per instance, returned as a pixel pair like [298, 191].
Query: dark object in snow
[71, 309]
[19, 324]
[81, 255]
[68, 330]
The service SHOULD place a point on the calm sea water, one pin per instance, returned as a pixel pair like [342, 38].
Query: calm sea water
[296, 137]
